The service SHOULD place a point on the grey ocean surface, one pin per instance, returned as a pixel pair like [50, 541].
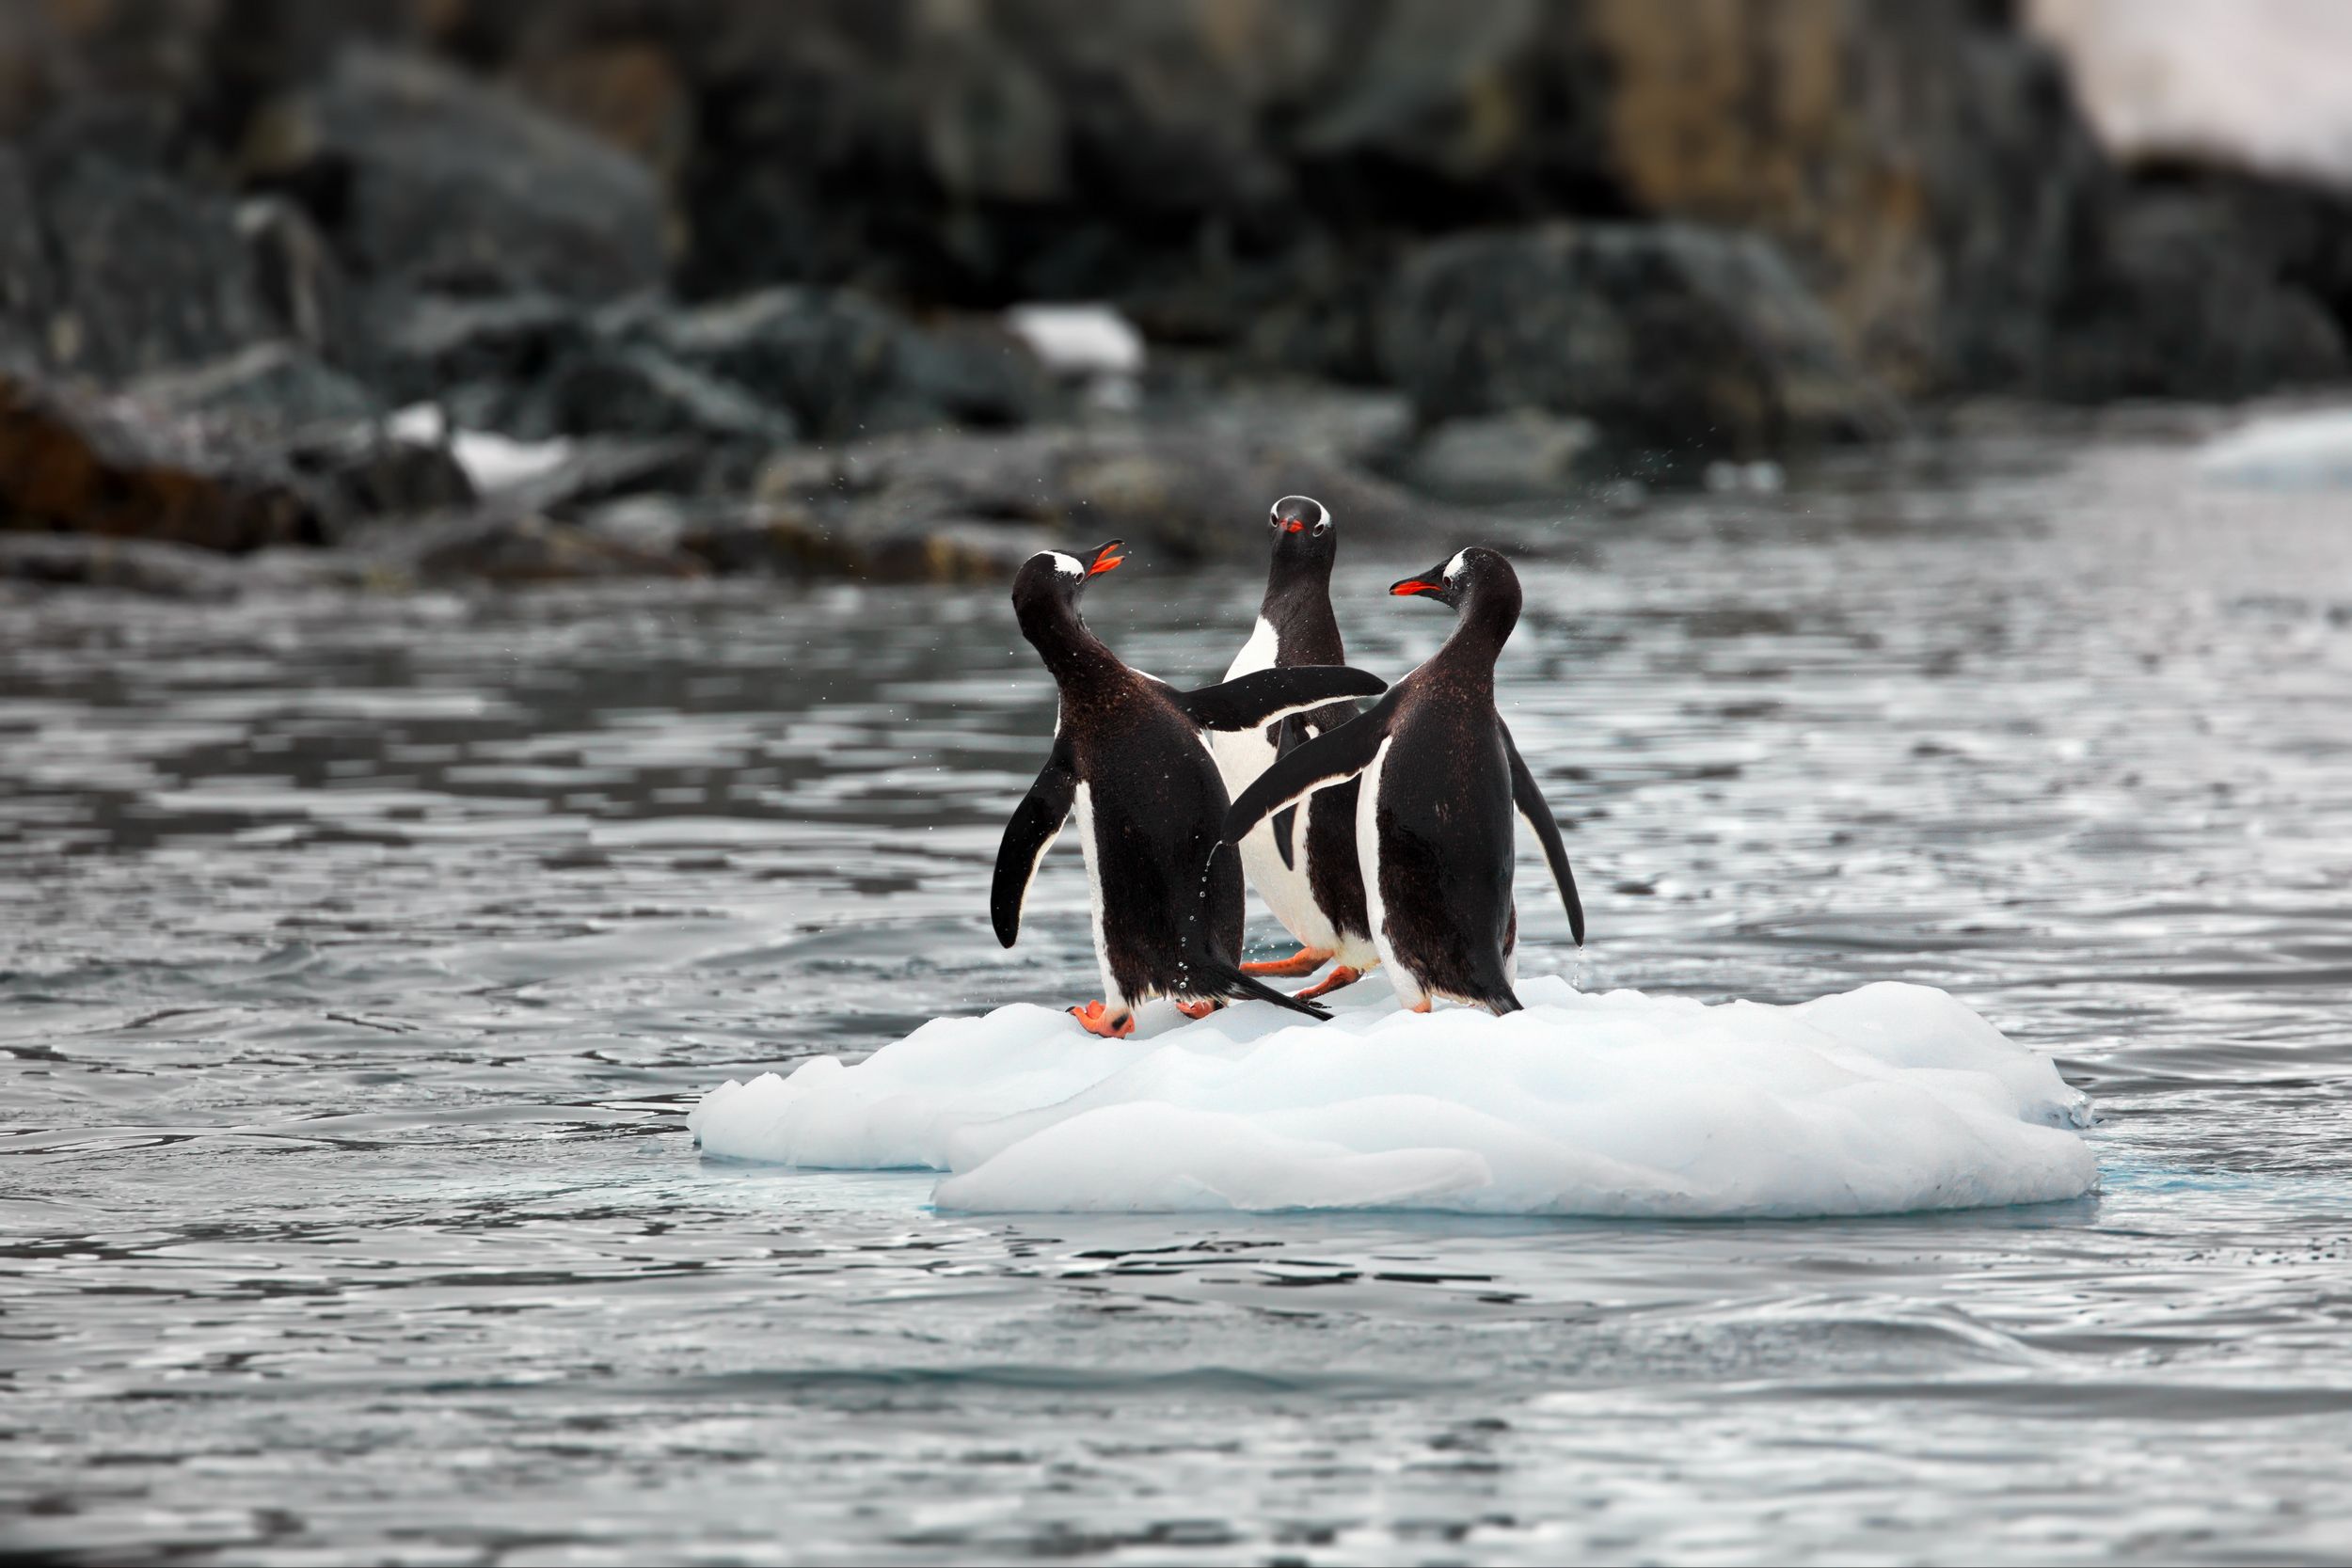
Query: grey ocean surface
[358, 962]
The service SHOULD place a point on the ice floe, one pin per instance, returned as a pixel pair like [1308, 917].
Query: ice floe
[1886, 1100]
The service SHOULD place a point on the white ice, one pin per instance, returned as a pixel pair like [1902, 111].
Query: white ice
[2309, 451]
[1886, 1100]
[1079, 339]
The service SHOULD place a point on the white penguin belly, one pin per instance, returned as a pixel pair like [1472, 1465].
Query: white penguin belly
[1241, 756]
[1112, 997]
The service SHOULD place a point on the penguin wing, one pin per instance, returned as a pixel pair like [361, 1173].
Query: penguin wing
[1330, 757]
[1263, 696]
[1036, 822]
[1530, 801]
[1293, 736]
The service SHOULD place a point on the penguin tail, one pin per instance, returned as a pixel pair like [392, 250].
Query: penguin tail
[1225, 979]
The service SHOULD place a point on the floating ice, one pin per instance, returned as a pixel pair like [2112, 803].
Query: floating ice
[1884, 1099]
[2308, 450]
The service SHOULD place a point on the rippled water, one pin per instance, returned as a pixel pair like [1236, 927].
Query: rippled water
[358, 962]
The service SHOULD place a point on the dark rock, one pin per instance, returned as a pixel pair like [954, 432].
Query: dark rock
[150, 273]
[958, 504]
[1522, 454]
[126, 565]
[2187, 308]
[303, 286]
[600, 469]
[429, 343]
[269, 385]
[638, 389]
[73, 463]
[517, 548]
[1668, 336]
[30, 294]
[366, 471]
[827, 357]
[436, 179]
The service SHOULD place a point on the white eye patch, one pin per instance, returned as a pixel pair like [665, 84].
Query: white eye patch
[1069, 566]
[1456, 564]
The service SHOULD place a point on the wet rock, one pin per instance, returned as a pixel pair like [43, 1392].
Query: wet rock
[957, 504]
[125, 565]
[1668, 336]
[1520, 454]
[269, 384]
[426, 176]
[148, 273]
[637, 388]
[514, 550]
[592, 471]
[364, 470]
[28, 287]
[430, 343]
[303, 286]
[71, 462]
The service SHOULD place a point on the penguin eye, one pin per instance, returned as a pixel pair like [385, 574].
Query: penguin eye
[1274, 520]
[1324, 526]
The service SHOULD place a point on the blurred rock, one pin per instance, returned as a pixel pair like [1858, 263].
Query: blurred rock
[429, 343]
[73, 463]
[302, 285]
[273, 383]
[1520, 454]
[637, 388]
[436, 179]
[505, 548]
[148, 273]
[954, 504]
[126, 565]
[1666, 335]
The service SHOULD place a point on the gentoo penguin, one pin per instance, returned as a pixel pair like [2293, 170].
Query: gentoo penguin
[1128, 759]
[1307, 877]
[1441, 781]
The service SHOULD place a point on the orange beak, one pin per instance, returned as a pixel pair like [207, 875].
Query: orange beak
[1414, 585]
[1107, 558]
[1298, 525]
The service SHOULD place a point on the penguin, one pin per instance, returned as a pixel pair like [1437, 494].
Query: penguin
[1305, 870]
[1130, 760]
[1441, 781]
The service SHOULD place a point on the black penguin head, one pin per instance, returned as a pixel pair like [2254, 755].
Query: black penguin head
[1458, 579]
[1477, 581]
[1049, 582]
[1303, 532]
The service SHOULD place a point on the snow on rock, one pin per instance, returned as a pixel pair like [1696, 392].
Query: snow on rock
[1079, 339]
[2283, 451]
[1884, 1099]
[492, 462]
[2255, 84]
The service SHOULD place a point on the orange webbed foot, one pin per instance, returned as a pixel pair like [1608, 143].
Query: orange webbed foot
[1331, 982]
[1098, 1019]
[1305, 962]
[1202, 1008]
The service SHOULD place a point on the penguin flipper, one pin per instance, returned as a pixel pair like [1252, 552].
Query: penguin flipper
[1532, 807]
[1328, 759]
[1293, 736]
[1036, 822]
[1263, 696]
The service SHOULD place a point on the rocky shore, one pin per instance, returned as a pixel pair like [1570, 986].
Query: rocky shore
[410, 291]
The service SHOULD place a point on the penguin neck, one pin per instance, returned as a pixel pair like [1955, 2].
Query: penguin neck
[1070, 650]
[1297, 604]
[1483, 626]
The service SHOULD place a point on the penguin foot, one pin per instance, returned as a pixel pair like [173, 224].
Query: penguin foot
[1202, 1008]
[1421, 1006]
[1305, 962]
[1098, 1019]
[1331, 982]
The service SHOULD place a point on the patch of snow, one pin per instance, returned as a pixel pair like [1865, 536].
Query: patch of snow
[1889, 1098]
[492, 462]
[1079, 339]
[2254, 83]
[2283, 451]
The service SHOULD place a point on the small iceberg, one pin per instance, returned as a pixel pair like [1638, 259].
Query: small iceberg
[2283, 451]
[1886, 1100]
